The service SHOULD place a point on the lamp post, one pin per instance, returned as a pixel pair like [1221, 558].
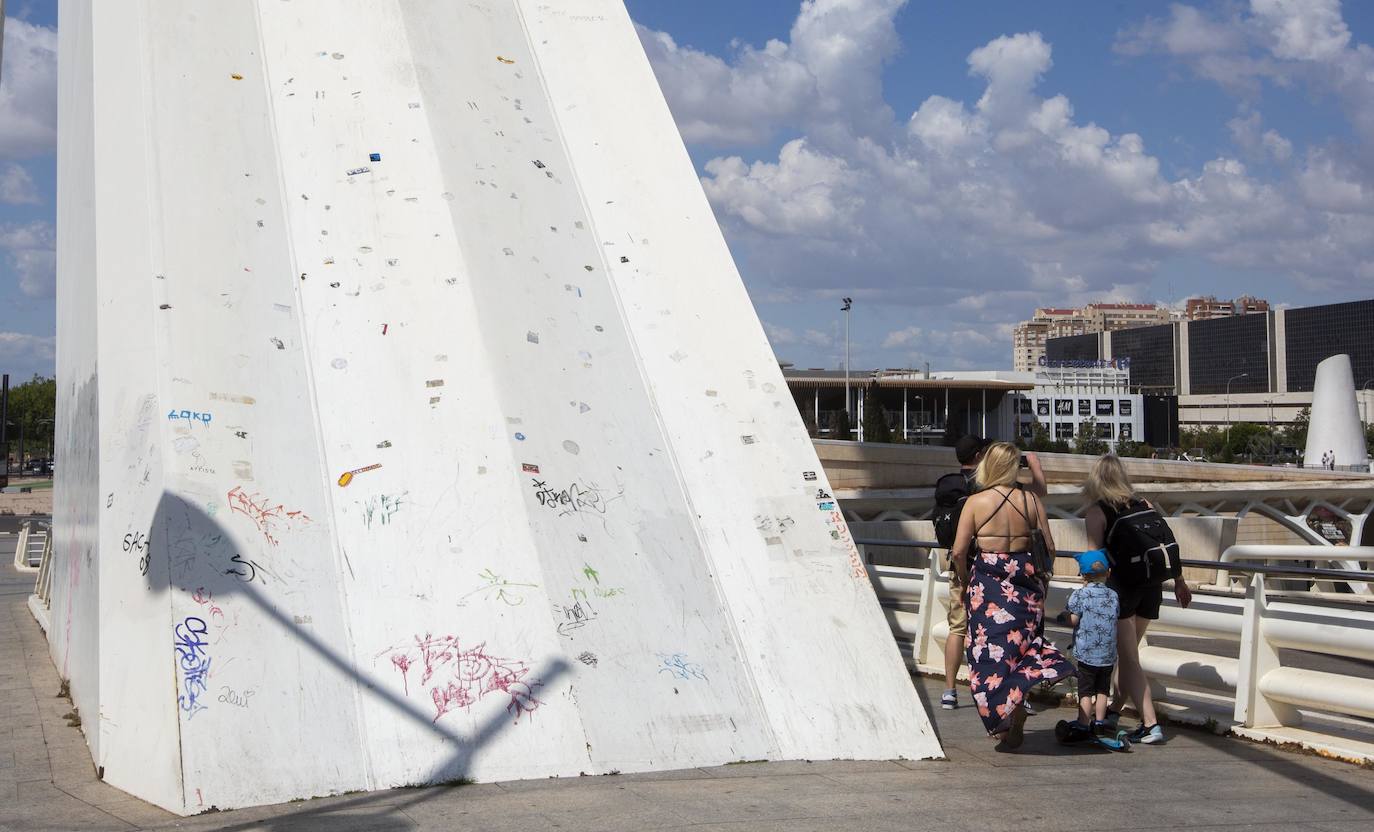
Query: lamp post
[920, 417]
[1228, 408]
[47, 447]
[1364, 388]
[848, 303]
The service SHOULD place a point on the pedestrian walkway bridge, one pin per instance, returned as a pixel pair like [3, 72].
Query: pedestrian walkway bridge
[1197, 779]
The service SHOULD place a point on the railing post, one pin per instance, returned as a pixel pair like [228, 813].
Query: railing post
[21, 548]
[1257, 658]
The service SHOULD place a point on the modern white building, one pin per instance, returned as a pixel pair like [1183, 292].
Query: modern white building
[1068, 395]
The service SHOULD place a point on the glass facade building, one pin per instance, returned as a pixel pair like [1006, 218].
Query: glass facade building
[1151, 352]
[1316, 333]
[1223, 348]
[1074, 348]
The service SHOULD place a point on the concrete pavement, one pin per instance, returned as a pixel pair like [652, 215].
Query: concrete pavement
[1197, 781]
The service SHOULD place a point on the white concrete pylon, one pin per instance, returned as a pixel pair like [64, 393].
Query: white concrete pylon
[417, 424]
[1335, 434]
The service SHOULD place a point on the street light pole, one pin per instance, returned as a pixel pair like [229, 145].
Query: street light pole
[849, 415]
[1228, 408]
[1364, 388]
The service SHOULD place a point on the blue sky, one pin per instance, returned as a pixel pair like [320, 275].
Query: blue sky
[949, 165]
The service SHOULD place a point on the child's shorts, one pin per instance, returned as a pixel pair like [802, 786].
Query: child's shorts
[1094, 680]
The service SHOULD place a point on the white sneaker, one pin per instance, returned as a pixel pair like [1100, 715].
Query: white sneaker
[950, 700]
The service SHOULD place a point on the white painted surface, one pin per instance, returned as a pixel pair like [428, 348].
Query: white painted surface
[594, 542]
[1335, 425]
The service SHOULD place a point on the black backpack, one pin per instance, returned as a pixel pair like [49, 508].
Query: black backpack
[1140, 545]
[951, 491]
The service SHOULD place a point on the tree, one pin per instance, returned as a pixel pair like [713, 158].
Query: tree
[1295, 435]
[1369, 439]
[839, 425]
[876, 428]
[1040, 438]
[809, 420]
[32, 411]
[1127, 448]
[1088, 442]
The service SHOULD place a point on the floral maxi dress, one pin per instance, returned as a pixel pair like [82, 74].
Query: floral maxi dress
[1006, 654]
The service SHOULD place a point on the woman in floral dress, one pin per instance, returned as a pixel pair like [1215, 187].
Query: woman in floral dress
[1005, 597]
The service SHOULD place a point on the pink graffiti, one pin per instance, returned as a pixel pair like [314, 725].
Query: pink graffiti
[462, 677]
[271, 521]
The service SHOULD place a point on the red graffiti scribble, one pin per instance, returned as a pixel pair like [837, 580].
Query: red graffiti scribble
[465, 676]
[204, 597]
[269, 520]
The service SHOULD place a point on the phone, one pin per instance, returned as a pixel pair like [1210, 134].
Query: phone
[1024, 463]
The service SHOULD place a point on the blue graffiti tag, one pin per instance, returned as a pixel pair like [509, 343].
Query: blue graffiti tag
[195, 663]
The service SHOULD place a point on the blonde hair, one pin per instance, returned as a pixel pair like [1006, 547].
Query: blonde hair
[999, 465]
[1108, 482]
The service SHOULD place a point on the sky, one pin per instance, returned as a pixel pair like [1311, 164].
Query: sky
[949, 166]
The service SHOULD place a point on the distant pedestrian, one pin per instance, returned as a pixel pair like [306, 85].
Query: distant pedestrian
[1114, 502]
[1006, 597]
[1331, 464]
[1093, 610]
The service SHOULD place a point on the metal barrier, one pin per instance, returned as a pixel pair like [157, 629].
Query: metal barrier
[1263, 698]
[30, 544]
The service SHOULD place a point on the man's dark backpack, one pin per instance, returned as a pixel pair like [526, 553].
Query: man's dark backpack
[951, 491]
[1140, 545]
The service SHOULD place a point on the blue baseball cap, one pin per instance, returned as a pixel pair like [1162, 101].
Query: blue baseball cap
[1093, 563]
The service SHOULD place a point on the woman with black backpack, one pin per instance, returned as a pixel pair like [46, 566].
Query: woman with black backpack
[1144, 556]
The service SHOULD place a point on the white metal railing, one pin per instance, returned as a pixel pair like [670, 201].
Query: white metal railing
[29, 545]
[1267, 697]
[1344, 557]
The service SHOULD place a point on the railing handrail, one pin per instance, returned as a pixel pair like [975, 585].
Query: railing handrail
[1233, 566]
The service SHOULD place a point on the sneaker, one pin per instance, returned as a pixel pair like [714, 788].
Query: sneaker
[1147, 735]
[1030, 709]
[1101, 728]
[950, 700]
[1113, 718]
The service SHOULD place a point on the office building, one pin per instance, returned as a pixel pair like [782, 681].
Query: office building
[1207, 308]
[1030, 337]
[1256, 367]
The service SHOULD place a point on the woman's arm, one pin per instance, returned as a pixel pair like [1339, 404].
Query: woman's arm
[963, 542]
[1097, 527]
[1044, 520]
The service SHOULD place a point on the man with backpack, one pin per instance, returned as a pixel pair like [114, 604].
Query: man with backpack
[951, 491]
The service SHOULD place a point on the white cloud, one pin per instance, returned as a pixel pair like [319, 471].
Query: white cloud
[828, 75]
[24, 355]
[16, 186]
[779, 336]
[28, 90]
[902, 337]
[969, 214]
[33, 256]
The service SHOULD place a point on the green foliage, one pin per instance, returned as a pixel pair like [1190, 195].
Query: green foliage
[1369, 439]
[1040, 438]
[32, 406]
[876, 428]
[1127, 448]
[809, 420]
[1060, 447]
[1088, 442]
[1295, 435]
[839, 426]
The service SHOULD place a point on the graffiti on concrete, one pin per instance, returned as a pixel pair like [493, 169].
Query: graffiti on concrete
[460, 677]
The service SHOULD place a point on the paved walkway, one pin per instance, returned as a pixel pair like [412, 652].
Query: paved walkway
[1196, 781]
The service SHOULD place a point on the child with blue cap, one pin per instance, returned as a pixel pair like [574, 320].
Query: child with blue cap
[1093, 608]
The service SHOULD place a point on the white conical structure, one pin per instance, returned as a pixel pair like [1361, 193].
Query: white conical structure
[416, 424]
[1335, 428]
